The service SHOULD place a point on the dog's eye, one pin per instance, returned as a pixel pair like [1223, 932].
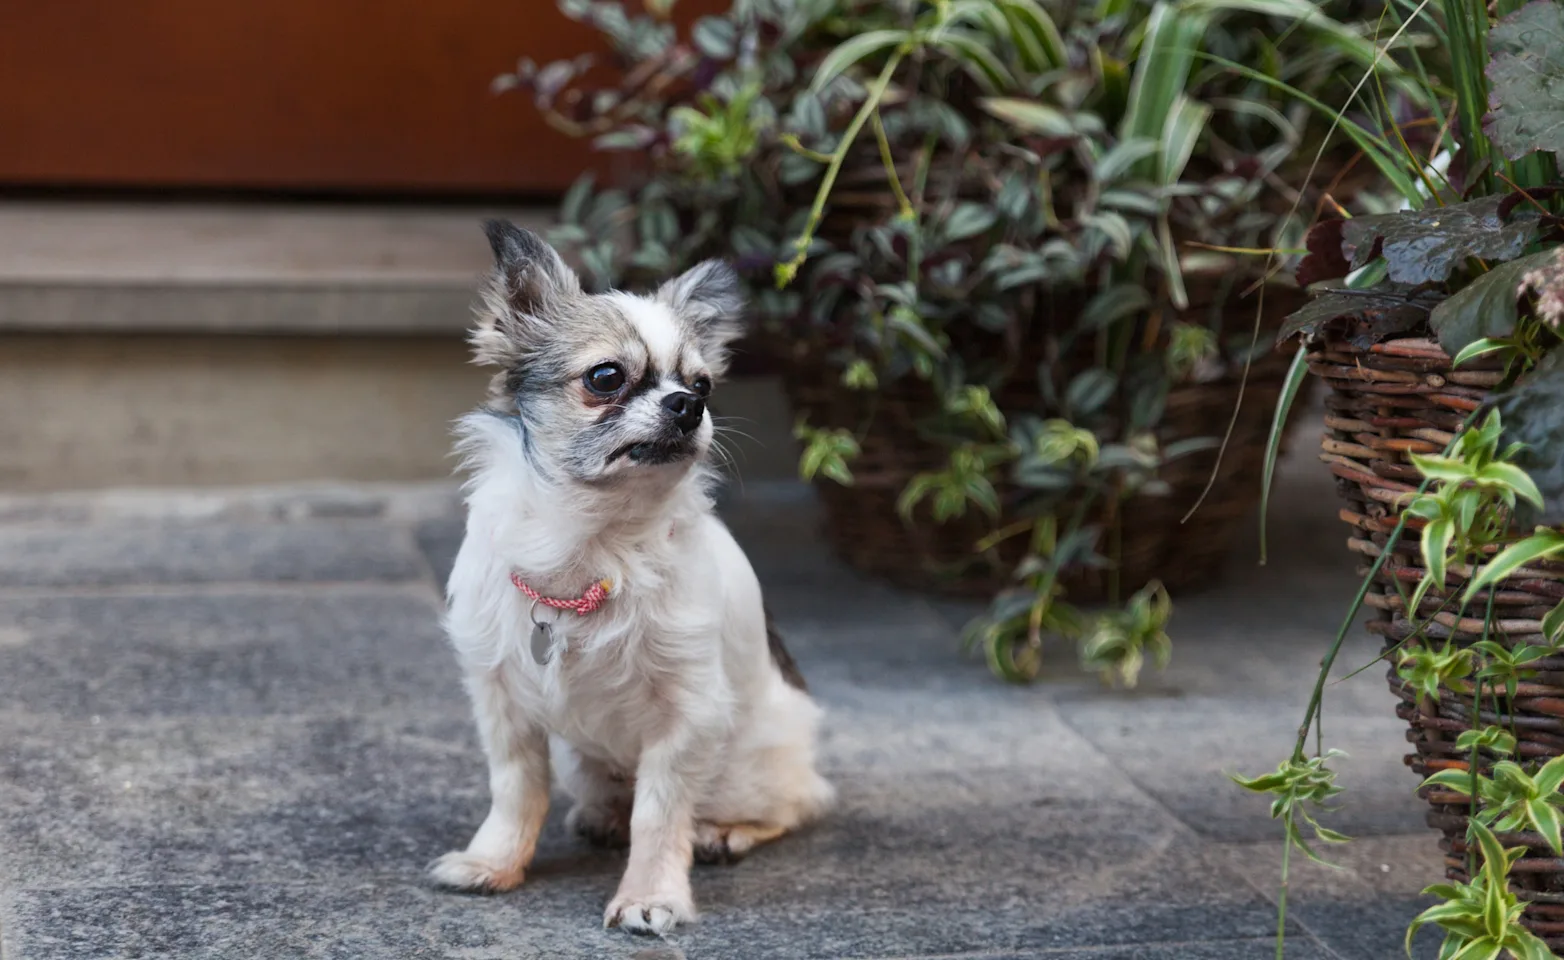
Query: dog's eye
[702, 386]
[605, 378]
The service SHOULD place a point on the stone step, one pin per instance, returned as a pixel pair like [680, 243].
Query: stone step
[242, 268]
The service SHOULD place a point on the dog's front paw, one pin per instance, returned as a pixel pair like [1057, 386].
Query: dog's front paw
[654, 915]
[460, 870]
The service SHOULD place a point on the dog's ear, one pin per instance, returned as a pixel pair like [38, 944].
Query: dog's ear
[523, 296]
[709, 298]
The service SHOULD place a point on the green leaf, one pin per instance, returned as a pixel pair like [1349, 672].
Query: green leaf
[1484, 308]
[1542, 544]
[1296, 374]
[1123, 157]
[1130, 200]
[1436, 545]
[1494, 738]
[1187, 446]
[1513, 478]
[977, 59]
[716, 37]
[1089, 390]
[969, 220]
[1161, 77]
[1444, 891]
[1423, 246]
[1115, 303]
[571, 207]
[835, 469]
[1031, 19]
[1483, 948]
[1179, 135]
[1440, 468]
[1480, 348]
[1527, 945]
[1494, 860]
[904, 320]
[1526, 75]
[808, 115]
[914, 493]
[1545, 818]
[1031, 116]
[981, 492]
[853, 50]
[1550, 777]
[1264, 783]
[1553, 625]
[1456, 781]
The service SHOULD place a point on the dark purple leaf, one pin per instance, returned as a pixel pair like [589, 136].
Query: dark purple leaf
[1526, 81]
[1325, 260]
[1365, 317]
[1533, 414]
[1424, 246]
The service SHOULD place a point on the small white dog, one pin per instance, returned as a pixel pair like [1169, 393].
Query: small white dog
[604, 618]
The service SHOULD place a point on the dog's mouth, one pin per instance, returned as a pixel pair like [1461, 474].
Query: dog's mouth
[654, 452]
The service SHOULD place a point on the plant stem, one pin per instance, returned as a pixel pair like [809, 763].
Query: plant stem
[902, 203]
[1341, 634]
[1281, 896]
[1477, 698]
[786, 271]
[1357, 604]
[1416, 634]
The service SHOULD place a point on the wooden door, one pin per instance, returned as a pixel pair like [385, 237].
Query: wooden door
[351, 96]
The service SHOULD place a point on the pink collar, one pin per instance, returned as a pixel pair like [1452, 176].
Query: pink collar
[590, 600]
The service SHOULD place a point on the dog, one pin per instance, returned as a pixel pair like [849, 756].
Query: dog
[607, 624]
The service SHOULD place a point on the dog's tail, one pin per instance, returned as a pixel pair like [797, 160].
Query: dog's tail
[782, 658]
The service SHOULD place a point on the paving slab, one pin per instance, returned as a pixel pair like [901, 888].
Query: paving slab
[163, 553]
[256, 651]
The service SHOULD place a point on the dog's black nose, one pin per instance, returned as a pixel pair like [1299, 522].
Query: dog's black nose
[686, 409]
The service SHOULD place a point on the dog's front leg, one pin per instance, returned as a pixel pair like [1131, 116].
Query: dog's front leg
[654, 895]
[499, 854]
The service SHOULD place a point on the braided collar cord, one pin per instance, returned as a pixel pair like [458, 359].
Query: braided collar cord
[593, 597]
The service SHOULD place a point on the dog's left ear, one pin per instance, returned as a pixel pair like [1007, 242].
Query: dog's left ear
[709, 298]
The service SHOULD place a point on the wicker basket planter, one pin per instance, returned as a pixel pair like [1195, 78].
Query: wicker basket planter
[1387, 401]
[864, 529]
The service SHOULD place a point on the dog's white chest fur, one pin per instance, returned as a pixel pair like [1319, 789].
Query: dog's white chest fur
[669, 642]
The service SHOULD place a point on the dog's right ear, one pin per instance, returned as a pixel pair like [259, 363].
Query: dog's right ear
[523, 296]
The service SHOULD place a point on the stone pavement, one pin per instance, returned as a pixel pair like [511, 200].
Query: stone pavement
[230, 728]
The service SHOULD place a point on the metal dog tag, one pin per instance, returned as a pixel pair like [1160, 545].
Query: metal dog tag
[542, 643]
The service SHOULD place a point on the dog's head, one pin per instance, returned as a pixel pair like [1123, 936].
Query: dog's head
[608, 385]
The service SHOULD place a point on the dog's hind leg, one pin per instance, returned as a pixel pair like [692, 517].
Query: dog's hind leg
[723, 843]
[604, 798]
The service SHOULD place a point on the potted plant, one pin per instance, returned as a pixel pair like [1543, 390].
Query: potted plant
[965, 226]
[1437, 330]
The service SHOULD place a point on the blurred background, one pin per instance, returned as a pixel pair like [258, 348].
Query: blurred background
[238, 243]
